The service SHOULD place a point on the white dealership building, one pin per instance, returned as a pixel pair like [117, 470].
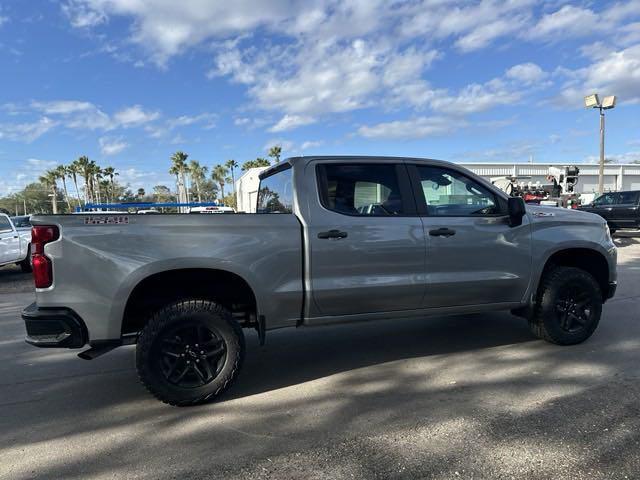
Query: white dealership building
[616, 177]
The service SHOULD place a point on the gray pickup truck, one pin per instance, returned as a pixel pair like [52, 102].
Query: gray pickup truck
[334, 239]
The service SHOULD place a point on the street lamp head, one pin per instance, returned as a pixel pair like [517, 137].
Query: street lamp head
[609, 102]
[592, 101]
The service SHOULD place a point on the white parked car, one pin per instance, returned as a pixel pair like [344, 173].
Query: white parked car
[15, 245]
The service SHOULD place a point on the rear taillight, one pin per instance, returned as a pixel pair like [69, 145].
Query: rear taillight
[42, 271]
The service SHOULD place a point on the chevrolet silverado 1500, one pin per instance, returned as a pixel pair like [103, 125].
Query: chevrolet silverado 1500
[334, 239]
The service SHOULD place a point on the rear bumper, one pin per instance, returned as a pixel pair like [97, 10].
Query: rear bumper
[54, 327]
[612, 290]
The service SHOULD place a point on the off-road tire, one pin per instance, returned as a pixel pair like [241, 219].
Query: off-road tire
[149, 360]
[547, 321]
[25, 265]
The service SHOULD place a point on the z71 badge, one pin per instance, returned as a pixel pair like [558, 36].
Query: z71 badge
[106, 220]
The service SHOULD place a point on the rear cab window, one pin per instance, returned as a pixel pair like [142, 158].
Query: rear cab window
[628, 198]
[275, 193]
[361, 189]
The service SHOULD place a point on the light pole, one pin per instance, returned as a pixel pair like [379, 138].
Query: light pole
[593, 101]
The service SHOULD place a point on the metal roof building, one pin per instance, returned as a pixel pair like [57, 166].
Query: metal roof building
[616, 177]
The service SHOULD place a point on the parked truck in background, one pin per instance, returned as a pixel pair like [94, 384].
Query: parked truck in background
[334, 239]
[14, 244]
[621, 210]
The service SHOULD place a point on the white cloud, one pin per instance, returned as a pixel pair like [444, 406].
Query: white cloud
[310, 144]
[567, 21]
[419, 127]
[40, 165]
[286, 145]
[617, 73]
[184, 120]
[112, 146]
[133, 116]
[627, 157]
[22, 173]
[26, 132]
[62, 107]
[526, 73]
[83, 15]
[289, 122]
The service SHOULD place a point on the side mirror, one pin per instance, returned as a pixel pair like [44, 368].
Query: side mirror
[517, 209]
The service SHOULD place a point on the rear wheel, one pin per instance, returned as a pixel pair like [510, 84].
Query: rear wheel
[189, 352]
[568, 308]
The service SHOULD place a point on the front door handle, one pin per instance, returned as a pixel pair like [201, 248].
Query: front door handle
[442, 232]
[332, 234]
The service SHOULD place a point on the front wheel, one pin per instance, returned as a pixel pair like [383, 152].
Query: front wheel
[189, 352]
[568, 308]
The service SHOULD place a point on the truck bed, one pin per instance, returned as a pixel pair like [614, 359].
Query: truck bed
[99, 260]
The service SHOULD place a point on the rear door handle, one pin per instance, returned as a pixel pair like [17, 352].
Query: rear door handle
[442, 232]
[332, 234]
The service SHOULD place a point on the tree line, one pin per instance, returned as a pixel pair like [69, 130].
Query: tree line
[83, 181]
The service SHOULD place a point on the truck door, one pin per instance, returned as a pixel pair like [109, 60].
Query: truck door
[624, 213]
[367, 249]
[603, 206]
[473, 256]
[9, 241]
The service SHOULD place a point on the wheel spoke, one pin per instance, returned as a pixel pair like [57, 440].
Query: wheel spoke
[207, 369]
[202, 377]
[170, 354]
[172, 369]
[216, 351]
[186, 369]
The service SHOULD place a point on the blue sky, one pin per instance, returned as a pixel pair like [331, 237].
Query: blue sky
[128, 82]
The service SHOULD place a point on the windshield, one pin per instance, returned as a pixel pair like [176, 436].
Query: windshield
[21, 222]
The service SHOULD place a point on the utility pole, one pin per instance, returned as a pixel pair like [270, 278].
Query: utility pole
[601, 169]
[593, 101]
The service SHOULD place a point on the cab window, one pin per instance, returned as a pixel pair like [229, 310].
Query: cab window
[628, 198]
[275, 193]
[450, 193]
[606, 199]
[360, 189]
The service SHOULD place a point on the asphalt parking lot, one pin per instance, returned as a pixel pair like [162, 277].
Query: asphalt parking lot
[458, 397]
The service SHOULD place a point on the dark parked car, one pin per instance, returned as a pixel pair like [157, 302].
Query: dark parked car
[619, 209]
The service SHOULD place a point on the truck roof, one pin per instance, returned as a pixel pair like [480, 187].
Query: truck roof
[304, 160]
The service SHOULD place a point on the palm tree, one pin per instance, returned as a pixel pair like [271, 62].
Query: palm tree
[83, 165]
[180, 166]
[49, 180]
[73, 170]
[219, 175]
[96, 176]
[61, 172]
[275, 151]
[232, 165]
[141, 193]
[111, 173]
[198, 174]
[258, 162]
